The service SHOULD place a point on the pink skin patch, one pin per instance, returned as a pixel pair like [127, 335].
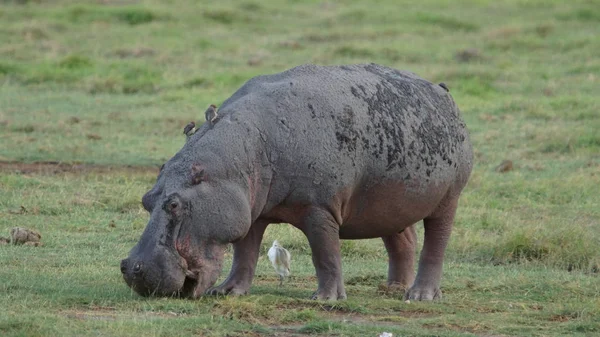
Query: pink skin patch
[205, 274]
[183, 247]
[254, 183]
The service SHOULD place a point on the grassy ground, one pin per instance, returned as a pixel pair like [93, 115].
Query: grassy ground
[114, 82]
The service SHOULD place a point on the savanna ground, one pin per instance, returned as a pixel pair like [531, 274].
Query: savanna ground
[105, 88]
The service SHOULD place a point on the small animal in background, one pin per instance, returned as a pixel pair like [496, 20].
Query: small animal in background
[23, 236]
[280, 258]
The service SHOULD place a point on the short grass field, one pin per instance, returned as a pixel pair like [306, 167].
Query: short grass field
[94, 96]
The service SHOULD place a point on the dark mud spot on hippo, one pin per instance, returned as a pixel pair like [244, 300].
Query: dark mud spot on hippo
[397, 107]
[346, 134]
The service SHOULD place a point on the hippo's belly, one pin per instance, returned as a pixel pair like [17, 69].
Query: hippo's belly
[388, 208]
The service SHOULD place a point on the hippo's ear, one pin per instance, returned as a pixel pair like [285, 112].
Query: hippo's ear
[197, 174]
[149, 199]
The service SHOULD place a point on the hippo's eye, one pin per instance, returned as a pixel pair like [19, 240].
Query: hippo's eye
[172, 205]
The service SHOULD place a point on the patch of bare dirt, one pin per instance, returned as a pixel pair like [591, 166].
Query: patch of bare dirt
[51, 167]
[505, 166]
[468, 55]
[135, 52]
[396, 291]
[563, 317]
[360, 318]
[474, 328]
[110, 314]
[91, 316]
[287, 330]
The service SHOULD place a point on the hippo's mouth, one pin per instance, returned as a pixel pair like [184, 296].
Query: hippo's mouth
[190, 284]
[201, 269]
[191, 277]
[193, 283]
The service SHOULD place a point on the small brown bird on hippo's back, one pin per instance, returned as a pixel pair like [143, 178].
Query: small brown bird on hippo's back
[210, 115]
[189, 129]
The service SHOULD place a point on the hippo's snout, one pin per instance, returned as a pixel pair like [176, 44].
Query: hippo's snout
[136, 269]
[148, 279]
[133, 275]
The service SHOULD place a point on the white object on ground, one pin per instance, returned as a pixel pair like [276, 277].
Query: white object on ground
[280, 258]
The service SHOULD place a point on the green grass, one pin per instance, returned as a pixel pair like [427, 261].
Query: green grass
[113, 83]
[89, 221]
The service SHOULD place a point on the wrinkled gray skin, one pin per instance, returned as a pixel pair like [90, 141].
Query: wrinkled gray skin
[348, 152]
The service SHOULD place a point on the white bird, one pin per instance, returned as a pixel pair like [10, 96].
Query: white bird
[280, 258]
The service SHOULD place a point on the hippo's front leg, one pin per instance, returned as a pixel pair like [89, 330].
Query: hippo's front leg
[245, 257]
[323, 236]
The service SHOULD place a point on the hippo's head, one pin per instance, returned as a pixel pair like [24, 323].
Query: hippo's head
[196, 208]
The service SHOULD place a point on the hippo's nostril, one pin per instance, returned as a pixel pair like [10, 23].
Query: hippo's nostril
[123, 266]
[137, 267]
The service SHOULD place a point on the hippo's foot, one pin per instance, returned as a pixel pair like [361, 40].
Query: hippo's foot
[397, 287]
[437, 232]
[417, 293]
[333, 294]
[228, 288]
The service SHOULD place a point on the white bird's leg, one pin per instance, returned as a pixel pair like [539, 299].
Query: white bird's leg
[280, 280]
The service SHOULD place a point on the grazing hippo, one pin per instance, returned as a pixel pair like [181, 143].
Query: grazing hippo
[339, 152]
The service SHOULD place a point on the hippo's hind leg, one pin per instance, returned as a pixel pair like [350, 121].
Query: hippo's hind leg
[438, 227]
[323, 236]
[401, 249]
[245, 256]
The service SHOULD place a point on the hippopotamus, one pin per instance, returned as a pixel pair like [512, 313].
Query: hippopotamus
[339, 152]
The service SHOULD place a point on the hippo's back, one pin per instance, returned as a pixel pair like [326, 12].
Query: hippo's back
[334, 128]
